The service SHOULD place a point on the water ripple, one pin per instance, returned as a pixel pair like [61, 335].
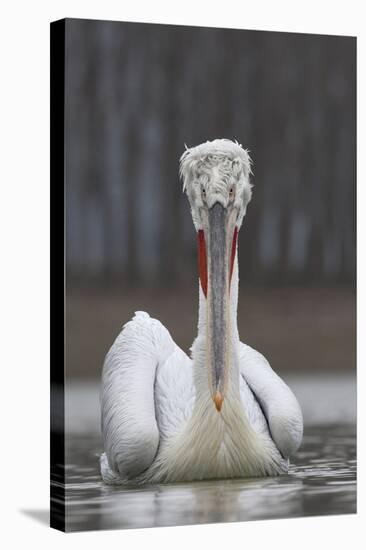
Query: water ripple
[321, 481]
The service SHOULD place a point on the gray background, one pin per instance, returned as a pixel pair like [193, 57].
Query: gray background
[135, 94]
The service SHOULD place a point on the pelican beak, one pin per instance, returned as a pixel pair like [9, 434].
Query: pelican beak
[217, 248]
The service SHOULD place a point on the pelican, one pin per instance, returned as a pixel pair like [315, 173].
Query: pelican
[223, 412]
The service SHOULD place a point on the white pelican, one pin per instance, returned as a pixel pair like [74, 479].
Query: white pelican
[223, 413]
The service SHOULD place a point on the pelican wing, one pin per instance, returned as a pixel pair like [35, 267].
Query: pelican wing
[277, 401]
[144, 396]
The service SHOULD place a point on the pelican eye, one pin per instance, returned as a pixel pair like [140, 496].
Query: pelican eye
[231, 192]
[203, 192]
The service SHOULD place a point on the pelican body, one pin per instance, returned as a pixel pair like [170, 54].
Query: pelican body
[223, 412]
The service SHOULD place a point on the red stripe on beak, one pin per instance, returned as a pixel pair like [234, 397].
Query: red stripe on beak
[233, 252]
[202, 260]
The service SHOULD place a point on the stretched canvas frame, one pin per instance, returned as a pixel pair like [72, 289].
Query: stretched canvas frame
[61, 126]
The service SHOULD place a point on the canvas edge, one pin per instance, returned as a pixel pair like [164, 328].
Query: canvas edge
[57, 272]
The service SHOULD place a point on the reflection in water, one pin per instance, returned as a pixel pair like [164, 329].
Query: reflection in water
[322, 480]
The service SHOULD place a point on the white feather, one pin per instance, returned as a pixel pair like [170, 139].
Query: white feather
[156, 430]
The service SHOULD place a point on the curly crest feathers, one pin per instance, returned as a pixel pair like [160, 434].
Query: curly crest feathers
[212, 153]
[216, 166]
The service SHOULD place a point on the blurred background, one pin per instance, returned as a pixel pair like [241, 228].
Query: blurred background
[135, 94]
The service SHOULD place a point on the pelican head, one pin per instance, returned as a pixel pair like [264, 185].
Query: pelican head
[216, 179]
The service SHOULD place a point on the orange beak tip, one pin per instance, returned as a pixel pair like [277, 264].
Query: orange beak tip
[218, 400]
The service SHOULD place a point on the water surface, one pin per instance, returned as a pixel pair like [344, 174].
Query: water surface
[321, 481]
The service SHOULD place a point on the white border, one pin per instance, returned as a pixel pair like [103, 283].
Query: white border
[24, 240]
